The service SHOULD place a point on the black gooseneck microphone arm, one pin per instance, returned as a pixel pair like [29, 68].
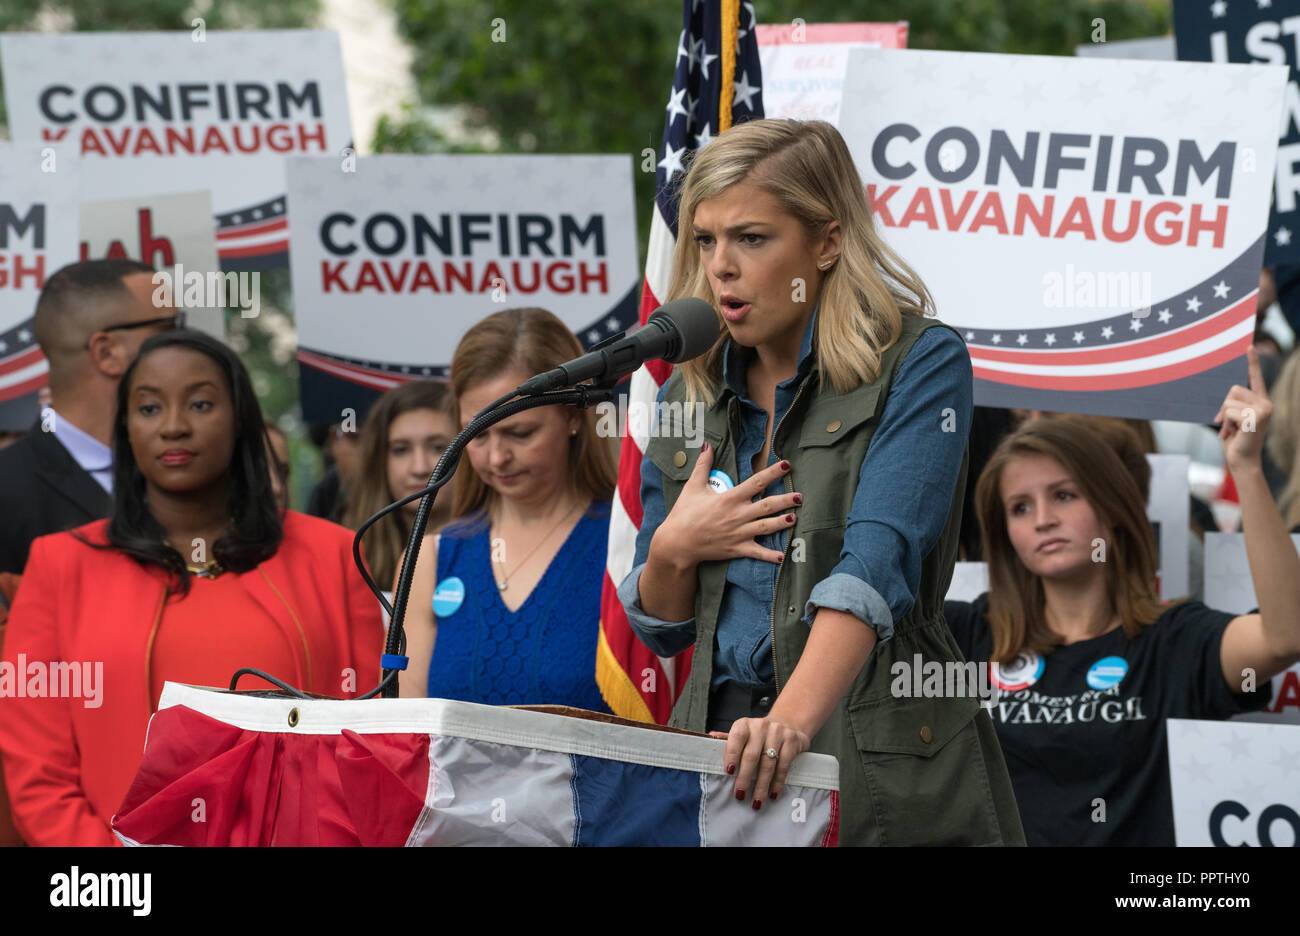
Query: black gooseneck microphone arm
[581, 397]
[678, 331]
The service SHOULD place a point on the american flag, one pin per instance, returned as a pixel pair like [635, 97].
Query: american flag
[636, 683]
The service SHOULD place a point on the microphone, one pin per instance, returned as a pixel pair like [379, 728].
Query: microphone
[676, 331]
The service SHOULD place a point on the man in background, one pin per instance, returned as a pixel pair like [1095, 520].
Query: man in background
[90, 321]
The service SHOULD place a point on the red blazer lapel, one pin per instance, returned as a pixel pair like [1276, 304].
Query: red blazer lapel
[270, 585]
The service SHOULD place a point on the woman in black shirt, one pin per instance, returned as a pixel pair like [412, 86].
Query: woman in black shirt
[1085, 663]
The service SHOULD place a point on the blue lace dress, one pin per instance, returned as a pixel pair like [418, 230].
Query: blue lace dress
[544, 653]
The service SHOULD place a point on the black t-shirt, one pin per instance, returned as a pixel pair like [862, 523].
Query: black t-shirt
[1086, 722]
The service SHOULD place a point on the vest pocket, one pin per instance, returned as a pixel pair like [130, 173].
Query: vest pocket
[829, 460]
[830, 420]
[674, 458]
[925, 771]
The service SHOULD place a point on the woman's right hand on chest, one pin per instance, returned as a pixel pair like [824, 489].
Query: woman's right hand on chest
[706, 525]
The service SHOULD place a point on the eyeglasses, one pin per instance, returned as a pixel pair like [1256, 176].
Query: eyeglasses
[168, 322]
[171, 321]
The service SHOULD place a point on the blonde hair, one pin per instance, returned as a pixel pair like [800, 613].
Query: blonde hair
[806, 166]
[532, 340]
[1284, 435]
[1016, 598]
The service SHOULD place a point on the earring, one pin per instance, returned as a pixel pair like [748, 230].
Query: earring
[573, 432]
[826, 265]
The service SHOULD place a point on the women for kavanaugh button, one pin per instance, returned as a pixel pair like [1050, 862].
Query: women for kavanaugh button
[448, 596]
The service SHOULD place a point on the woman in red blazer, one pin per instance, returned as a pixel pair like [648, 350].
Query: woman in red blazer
[196, 574]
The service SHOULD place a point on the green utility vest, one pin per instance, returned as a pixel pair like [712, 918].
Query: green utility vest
[912, 770]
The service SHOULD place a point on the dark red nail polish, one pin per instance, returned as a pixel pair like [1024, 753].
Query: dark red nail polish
[740, 794]
[785, 466]
[789, 518]
[757, 804]
[798, 499]
[731, 768]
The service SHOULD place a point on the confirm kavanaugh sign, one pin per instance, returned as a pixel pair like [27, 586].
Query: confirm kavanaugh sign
[396, 257]
[1094, 228]
[158, 113]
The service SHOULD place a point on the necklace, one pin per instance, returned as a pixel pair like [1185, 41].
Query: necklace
[505, 580]
[210, 569]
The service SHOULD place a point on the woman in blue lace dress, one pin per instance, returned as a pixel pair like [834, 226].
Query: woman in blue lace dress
[505, 603]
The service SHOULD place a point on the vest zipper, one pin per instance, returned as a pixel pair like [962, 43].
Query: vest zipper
[789, 489]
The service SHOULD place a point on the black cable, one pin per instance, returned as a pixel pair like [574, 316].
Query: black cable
[432, 486]
[250, 671]
[581, 396]
[395, 644]
[357, 557]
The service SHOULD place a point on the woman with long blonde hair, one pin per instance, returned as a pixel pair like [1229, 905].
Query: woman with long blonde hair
[805, 548]
[1087, 664]
[505, 602]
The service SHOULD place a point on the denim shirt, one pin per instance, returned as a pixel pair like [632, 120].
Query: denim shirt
[898, 513]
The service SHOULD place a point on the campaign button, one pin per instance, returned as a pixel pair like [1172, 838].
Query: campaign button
[1107, 672]
[719, 481]
[448, 596]
[1021, 673]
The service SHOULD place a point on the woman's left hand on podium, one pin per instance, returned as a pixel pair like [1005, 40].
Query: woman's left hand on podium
[758, 776]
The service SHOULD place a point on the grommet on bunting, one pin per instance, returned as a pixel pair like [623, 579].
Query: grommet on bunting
[293, 717]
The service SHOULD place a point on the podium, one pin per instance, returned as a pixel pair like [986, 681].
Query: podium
[239, 768]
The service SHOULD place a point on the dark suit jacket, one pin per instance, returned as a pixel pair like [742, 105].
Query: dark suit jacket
[43, 490]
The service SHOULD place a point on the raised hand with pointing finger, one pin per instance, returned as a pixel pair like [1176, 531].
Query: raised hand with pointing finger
[1243, 417]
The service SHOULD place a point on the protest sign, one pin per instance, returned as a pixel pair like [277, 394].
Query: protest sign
[38, 234]
[394, 262]
[1229, 587]
[803, 64]
[165, 112]
[1094, 228]
[173, 234]
[1234, 784]
[1256, 32]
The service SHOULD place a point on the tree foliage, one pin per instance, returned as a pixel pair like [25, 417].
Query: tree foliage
[592, 76]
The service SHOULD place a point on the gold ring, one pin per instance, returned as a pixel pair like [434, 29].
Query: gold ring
[770, 752]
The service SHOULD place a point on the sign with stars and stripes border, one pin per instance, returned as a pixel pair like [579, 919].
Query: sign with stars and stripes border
[1095, 229]
[38, 234]
[394, 262]
[164, 112]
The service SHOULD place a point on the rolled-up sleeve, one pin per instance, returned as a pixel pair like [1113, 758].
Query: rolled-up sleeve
[663, 638]
[905, 486]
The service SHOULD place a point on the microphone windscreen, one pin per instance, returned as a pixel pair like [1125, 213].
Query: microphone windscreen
[695, 321]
